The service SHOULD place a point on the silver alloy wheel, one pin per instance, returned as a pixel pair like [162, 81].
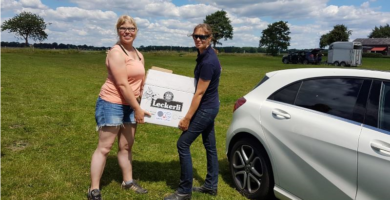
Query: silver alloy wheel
[248, 169]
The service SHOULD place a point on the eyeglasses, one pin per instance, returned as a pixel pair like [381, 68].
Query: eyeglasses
[124, 29]
[202, 37]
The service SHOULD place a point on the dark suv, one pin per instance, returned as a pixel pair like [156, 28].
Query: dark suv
[294, 57]
[313, 56]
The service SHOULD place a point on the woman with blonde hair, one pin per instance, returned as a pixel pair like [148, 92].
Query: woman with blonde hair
[117, 108]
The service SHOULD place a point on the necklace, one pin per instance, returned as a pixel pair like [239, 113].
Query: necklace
[124, 50]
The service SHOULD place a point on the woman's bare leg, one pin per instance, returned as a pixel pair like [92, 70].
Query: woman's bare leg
[125, 143]
[107, 135]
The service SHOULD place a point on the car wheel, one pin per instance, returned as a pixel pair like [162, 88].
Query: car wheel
[285, 61]
[251, 170]
[342, 64]
[336, 63]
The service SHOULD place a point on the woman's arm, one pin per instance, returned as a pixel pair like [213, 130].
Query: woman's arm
[119, 73]
[143, 80]
[200, 90]
[141, 90]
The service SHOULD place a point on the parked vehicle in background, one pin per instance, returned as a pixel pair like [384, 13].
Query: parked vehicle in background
[313, 134]
[345, 54]
[294, 57]
[313, 56]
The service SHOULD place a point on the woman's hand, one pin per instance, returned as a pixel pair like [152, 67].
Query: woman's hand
[139, 115]
[183, 124]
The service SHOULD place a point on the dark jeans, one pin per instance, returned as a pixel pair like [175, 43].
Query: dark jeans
[201, 123]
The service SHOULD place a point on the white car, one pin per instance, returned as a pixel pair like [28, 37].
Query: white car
[313, 134]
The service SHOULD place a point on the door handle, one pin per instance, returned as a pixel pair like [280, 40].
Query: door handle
[281, 114]
[382, 148]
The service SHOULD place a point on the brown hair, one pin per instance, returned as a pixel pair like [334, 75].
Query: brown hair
[206, 28]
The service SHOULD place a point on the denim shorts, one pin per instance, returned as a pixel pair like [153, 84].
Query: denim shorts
[112, 114]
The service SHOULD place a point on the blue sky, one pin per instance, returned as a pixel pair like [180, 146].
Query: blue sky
[384, 4]
[167, 22]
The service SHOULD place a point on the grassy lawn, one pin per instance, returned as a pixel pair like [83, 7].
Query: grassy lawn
[48, 127]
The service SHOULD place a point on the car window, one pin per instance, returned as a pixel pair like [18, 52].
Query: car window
[384, 109]
[335, 96]
[373, 104]
[360, 106]
[287, 94]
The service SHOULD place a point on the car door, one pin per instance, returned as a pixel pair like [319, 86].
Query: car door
[313, 137]
[374, 146]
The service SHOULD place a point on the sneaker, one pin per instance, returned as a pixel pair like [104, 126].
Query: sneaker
[134, 186]
[205, 190]
[94, 194]
[178, 196]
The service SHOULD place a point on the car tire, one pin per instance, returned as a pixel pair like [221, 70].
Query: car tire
[336, 63]
[251, 170]
[285, 61]
[342, 64]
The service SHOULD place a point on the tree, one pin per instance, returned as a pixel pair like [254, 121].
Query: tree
[220, 24]
[276, 37]
[381, 32]
[324, 40]
[26, 25]
[339, 33]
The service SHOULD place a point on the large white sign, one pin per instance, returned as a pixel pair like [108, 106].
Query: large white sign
[167, 97]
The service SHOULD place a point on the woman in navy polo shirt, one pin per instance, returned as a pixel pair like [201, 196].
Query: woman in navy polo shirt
[200, 118]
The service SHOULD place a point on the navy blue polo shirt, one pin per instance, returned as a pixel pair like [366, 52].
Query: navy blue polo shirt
[208, 68]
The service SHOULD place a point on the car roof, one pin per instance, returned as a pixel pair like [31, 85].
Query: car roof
[302, 73]
[297, 51]
[316, 50]
[281, 78]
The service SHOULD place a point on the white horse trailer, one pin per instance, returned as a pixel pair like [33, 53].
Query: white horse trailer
[345, 53]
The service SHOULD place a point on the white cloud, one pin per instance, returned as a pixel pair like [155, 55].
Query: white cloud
[196, 11]
[77, 14]
[9, 5]
[365, 4]
[34, 4]
[161, 22]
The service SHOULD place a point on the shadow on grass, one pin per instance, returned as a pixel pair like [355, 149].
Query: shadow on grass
[159, 171]
[225, 172]
[145, 171]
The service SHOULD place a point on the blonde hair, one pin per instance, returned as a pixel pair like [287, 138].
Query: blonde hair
[206, 28]
[123, 19]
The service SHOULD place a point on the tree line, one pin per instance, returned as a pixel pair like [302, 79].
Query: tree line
[229, 49]
[276, 36]
[274, 39]
[53, 45]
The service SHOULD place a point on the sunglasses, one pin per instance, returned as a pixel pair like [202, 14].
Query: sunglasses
[202, 37]
[124, 29]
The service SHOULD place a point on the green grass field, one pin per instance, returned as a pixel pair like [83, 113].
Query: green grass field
[48, 127]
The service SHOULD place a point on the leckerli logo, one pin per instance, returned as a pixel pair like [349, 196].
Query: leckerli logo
[167, 103]
[168, 96]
